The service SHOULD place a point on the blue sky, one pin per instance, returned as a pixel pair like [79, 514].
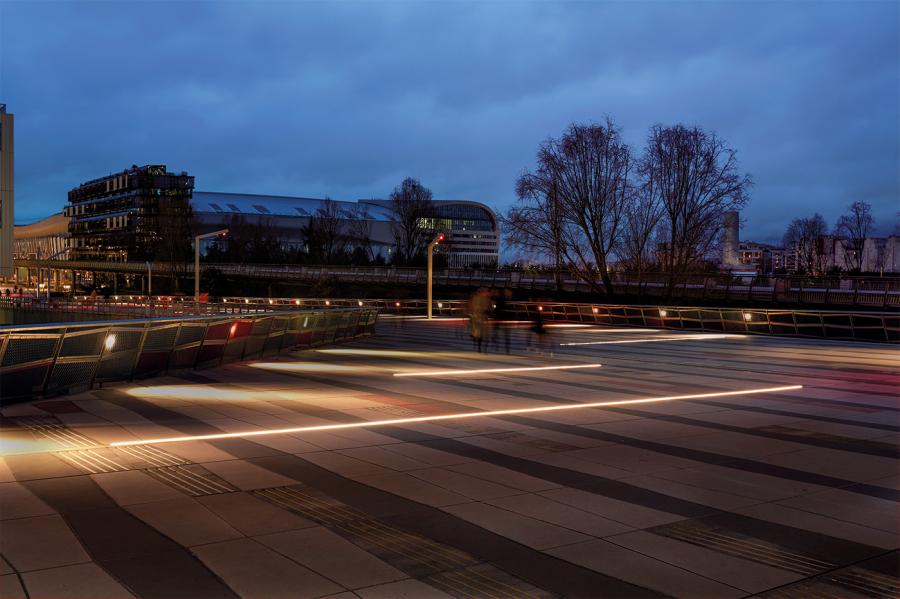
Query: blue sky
[346, 99]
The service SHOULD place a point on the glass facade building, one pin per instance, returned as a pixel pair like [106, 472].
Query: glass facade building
[128, 215]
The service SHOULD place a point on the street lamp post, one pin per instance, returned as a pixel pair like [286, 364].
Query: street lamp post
[149, 281]
[197, 260]
[431, 246]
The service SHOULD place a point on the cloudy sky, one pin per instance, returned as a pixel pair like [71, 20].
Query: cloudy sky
[345, 99]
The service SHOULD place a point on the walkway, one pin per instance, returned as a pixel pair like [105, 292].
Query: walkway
[706, 491]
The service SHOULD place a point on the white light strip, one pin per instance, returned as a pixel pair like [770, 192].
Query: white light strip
[656, 339]
[490, 370]
[369, 423]
[596, 329]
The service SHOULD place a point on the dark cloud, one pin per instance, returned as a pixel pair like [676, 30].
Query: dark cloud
[345, 99]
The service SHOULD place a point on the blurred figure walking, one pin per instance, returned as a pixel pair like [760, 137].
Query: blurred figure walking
[478, 313]
[501, 315]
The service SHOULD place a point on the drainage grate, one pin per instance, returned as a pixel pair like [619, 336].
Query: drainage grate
[193, 480]
[744, 547]
[54, 430]
[148, 454]
[93, 461]
[453, 571]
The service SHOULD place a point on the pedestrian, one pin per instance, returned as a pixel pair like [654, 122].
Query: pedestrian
[539, 330]
[501, 315]
[478, 311]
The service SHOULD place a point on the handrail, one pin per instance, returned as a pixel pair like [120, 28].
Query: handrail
[41, 360]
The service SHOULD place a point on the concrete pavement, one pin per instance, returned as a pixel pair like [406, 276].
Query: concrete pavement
[775, 494]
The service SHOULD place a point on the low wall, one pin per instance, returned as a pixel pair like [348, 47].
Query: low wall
[50, 359]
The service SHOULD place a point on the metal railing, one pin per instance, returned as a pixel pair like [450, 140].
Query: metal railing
[827, 290]
[46, 360]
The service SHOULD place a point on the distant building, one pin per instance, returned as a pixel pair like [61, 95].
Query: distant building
[125, 216]
[766, 259]
[47, 237]
[471, 228]
[879, 254]
[731, 240]
[7, 194]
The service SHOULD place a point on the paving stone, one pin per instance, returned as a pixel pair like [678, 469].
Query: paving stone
[16, 501]
[247, 476]
[253, 570]
[413, 488]
[636, 516]
[625, 564]
[82, 580]
[470, 486]
[11, 588]
[405, 589]
[528, 531]
[741, 573]
[542, 508]
[185, 520]
[134, 486]
[252, 516]
[40, 542]
[333, 557]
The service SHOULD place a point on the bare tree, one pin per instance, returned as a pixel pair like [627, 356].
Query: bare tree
[854, 228]
[411, 209]
[642, 217]
[323, 233]
[173, 239]
[582, 184]
[536, 226]
[695, 179]
[804, 236]
[359, 228]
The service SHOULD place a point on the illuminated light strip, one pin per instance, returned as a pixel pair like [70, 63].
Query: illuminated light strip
[655, 339]
[596, 329]
[489, 370]
[458, 416]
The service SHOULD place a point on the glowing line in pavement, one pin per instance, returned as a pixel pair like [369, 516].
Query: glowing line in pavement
[655, 339]
[489, 370]
[594, 329]
[458, 416]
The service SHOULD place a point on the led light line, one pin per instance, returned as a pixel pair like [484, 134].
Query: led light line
[656, 339]
[458, 416]
[489, 370]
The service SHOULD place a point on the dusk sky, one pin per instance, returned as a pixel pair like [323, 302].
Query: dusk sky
[346, 99]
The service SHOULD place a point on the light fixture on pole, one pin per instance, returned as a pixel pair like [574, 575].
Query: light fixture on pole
[197, 239]
[431, 246]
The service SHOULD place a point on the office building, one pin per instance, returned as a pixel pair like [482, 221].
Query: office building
[130, 216]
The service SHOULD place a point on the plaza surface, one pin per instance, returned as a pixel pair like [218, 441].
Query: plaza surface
[732, 482]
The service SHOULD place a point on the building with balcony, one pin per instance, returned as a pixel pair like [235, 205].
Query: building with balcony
[130, 215]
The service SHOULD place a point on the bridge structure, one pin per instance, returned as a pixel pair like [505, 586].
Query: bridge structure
[870, 292]
[585, 461]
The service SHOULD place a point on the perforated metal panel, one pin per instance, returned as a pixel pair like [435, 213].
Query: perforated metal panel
[35, 361]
